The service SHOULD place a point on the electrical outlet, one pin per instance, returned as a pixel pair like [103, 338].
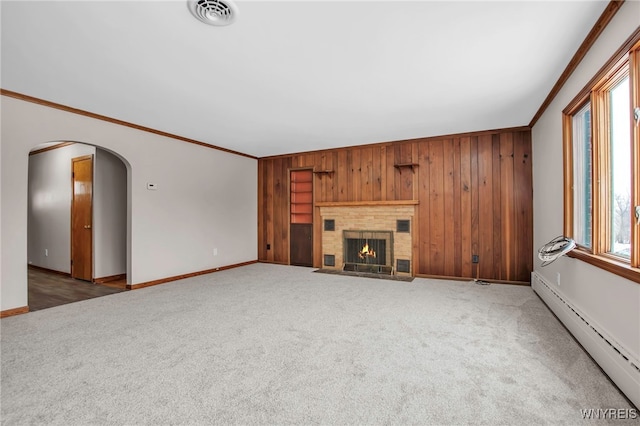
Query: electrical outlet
[215, 251]
[558, 279]
[475, 258]
[46, 252]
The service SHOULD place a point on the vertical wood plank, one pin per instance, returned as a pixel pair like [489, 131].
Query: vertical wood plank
[506, 193]
[366, 166]
[309, 161]
[269, 213]
[320, 181]
[376, 178]
[329, 179]
[343, 175]
[397, 157]
[320, 190]
[335, 177]
[485, 206]
[285, 210]
[497, 209]
[317, 219]
[422, 227]
[415, 176]
[405, 188]
[466, 207]
[280, 224]
[449, 209]
[475, 248]
[436, 207]
[457, 209]
[523, 194]
[350, 173]
[357, 174]
[383, 173]
[392, 173]
[262, 255]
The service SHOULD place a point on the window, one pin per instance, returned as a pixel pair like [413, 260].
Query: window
[582, 176]
[620, 170]
[601, 164]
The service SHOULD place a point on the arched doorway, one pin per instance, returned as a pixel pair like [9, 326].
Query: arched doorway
[78, 221]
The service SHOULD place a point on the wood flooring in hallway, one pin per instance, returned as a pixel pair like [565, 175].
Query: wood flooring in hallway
[47, 289]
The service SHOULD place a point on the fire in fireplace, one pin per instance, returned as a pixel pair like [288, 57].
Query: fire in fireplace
[366, 252]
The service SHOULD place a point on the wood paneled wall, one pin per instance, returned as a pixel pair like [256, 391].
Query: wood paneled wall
[474, 191]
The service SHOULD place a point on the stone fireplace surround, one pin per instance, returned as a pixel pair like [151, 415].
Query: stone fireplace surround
[368, 216]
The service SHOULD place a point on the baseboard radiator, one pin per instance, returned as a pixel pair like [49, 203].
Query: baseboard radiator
[622, 367]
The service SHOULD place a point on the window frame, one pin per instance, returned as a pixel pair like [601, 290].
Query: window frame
[569, 212]
[625, 62]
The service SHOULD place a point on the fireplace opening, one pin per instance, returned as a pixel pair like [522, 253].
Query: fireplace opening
[368, 251]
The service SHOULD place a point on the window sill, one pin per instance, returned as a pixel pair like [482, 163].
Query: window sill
[608, 264]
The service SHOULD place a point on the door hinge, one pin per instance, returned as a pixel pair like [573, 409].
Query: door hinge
[73, 174]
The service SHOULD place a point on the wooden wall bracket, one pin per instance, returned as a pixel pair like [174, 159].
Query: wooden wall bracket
[321, 173]
[406, 165]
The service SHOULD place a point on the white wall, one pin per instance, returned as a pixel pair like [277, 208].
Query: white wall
[49, 206]
[610, 301]
[206, 198]
[109, 215]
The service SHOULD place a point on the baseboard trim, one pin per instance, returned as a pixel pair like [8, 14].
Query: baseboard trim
[110, 278]
[273, 262]
[445, 277]
[51, 271]
[192, 274]
[14, 311]
[613, 358]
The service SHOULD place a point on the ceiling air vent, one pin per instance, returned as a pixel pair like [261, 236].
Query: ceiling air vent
[214, 12]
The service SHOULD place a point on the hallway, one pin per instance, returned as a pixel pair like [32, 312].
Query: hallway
[47, 289]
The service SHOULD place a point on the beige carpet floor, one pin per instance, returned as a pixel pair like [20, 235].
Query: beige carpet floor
[270, 344]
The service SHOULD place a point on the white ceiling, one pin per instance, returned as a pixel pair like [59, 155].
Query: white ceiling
[296, 76]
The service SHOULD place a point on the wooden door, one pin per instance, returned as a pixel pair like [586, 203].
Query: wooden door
[301, 215]
[81, 218]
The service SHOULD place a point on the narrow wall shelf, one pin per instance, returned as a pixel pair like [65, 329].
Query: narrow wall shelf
[321, 173]
[405, 166]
